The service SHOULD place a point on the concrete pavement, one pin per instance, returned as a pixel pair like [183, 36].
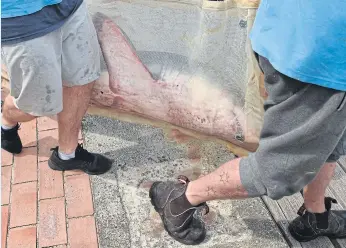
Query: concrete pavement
[141, 154]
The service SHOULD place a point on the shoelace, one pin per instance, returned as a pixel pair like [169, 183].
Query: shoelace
[83, 153]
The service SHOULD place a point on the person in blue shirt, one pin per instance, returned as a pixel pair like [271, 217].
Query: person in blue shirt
[51, 53]
[301, 49]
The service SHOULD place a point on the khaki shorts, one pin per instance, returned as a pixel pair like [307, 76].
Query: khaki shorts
[39, 68]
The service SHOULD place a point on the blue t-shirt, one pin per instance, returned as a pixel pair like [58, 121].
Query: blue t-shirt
[14, 8]
[23, 20]
[304, 39]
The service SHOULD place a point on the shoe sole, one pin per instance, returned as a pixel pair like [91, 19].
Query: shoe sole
[302, 239]
[160, 212]
[57, 168]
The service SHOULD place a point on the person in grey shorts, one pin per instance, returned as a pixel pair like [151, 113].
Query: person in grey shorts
[51, 53]
[301, 50]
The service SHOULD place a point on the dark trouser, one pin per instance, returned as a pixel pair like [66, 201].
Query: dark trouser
[304, 127]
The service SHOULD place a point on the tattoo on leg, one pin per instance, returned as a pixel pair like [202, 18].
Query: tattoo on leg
[224, 177]
[210, 191]
[225, 192]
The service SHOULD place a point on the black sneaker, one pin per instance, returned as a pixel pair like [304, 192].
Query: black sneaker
[90, 163]
[309, 226]
[10, 140]
[181, 220]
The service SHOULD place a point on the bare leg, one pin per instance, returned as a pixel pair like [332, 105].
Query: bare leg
[318, 219]
[75, 104]
[223, 183]
[179, 204]
[75, 101]
[314, 192]
[11, 115]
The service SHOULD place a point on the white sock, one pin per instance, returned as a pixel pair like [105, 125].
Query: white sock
[65, 156]
[7, 127]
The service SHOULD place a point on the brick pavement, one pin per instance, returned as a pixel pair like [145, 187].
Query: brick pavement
[41, 207]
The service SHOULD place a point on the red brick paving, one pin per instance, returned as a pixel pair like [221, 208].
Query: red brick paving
[47, 140]
[78, 196]
[22, 237]
[51, 182]
[5, 184]
[82, 232]
[27, 133]
[60, 246]
[25, 166]
[4, 225]
[52, 229]
[34, 197]
[73, 172]
[6, 158]
[80, 136]
[47, 123]
[23, 204]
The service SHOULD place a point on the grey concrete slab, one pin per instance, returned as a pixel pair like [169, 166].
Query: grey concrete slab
[142, 154]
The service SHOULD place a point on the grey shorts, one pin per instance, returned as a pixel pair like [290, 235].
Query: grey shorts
[304, 127]
[39, 68]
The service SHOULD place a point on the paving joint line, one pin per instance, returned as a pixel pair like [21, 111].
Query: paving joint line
[81, 217]
[38, 188]
[66, 215]
[92, 198]
[49, 129]
[82, 173]
[24, 147]
[9, 206]
[26, 225]
[54, 246]
[51, 198]
[31, 181]
[281, 230]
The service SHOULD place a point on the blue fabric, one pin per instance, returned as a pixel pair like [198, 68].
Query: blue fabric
[27, 27]
[304, 39]
[14, 8]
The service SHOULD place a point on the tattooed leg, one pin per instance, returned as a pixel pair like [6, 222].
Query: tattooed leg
[223, 183]
[181, 204]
